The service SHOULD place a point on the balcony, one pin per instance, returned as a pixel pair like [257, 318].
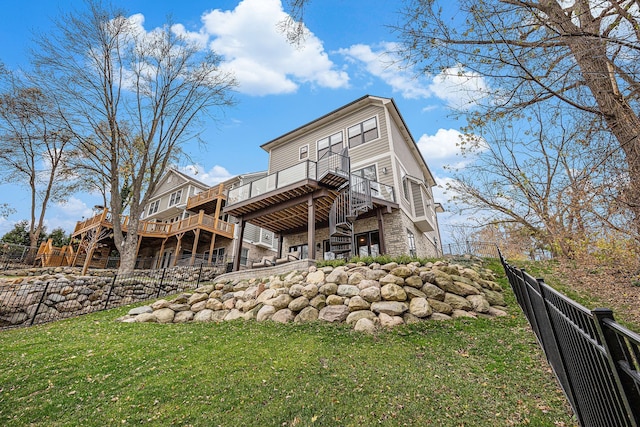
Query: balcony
[279, 201]
[160, 229]
[207, 200]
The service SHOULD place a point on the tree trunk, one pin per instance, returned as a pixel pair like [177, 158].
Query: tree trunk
[623, 122]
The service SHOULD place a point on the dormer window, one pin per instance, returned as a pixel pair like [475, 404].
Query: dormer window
[174, 199]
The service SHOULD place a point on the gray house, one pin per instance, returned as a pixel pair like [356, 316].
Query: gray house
[352, 182]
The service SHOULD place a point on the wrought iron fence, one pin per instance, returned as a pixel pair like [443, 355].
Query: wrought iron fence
[59, 298]
[596, 360]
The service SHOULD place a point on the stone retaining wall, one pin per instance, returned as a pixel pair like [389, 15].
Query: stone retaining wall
[365, 296]
[39, 299]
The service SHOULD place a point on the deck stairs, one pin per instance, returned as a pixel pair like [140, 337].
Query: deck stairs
[354, 199]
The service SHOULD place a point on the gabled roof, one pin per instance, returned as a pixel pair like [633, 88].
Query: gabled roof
[183, 176]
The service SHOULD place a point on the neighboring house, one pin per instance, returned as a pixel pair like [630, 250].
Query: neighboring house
[352, 182]
[183, 224]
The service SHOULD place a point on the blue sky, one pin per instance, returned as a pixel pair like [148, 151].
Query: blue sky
[281, 86]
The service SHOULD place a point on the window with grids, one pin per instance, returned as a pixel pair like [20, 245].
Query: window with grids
[363, 132]
[304, 152]
[412, 243]
[174, 199]
[331, 144]
[153, 207]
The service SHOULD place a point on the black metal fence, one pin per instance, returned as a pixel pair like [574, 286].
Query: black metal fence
[596, 360]
[59, 298]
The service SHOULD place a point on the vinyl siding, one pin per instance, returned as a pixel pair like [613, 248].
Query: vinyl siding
[176, 182]
[287, 155]
[403, 153]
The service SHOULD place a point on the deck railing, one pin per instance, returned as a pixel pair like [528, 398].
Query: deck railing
[211, 194]
[304, 170]
[158, 228]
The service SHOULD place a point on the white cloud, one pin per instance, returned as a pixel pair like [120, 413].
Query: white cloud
[445, 144]
[260, 56]
[443, 148]
[459, 88]
[214, 176]
[383, 64]
[200, 38]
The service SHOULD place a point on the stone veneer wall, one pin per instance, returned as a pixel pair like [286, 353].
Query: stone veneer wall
[396, 225]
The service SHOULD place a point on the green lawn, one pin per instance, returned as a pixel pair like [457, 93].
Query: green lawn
[95, 371]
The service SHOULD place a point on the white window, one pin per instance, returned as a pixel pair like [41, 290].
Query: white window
[369, 172]
[244, 256]
[331, 144]
[412, 243]
[363, 132]
[304, 152]
[405, 185]
[153, 207]
[174, 199]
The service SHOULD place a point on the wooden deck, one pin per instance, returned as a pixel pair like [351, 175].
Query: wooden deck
[160, 229]
[207, 200]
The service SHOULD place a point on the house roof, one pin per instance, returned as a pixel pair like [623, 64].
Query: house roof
[352, 106]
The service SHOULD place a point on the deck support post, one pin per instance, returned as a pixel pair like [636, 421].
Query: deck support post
[381, 237]
[311, 228]
[238, 254]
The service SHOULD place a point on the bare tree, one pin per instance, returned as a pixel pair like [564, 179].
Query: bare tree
[545, 180]
[134, 98]
[36, 148]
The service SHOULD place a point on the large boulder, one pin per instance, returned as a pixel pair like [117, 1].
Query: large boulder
[479, 303]
[440, 306]
[164, 315]
[393, 292]
[298, 304]
[348, 291]
[371, 294]
[316, 277]
[334, 313]
[392, 308]
[307, 314]
[283, 316]
[265, 313]
[338, 276]
[365, 325]
[420, 307]
[361, 314]
[457, 302]
[358, 303]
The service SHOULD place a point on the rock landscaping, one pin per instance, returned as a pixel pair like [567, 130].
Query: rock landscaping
[59, 293]
[366, 297]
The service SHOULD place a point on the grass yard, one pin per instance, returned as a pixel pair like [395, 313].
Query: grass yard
[93, 371]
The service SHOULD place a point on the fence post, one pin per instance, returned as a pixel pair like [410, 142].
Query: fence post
[106, 303]
[616, 353]
[561, 371]
[46, 287]
[164, 270]
[199, 277]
